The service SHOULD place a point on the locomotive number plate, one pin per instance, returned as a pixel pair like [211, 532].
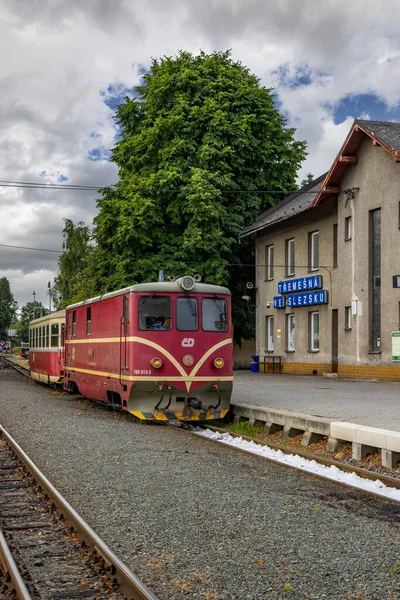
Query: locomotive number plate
[142, 371]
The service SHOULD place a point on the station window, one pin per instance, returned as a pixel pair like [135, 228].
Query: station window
[88, 319]
[313, 250]
[290, 257]
[155, 313]
[214, 314]
[74, 322]
[54, 335]
[187, 314]
[314, 331]
[347, 317]
[269, 330]
[347, 229]
[335, 246]
[290, 332]
[269, 262]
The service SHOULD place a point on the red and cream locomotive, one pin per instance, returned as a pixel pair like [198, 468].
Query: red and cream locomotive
[162, 351]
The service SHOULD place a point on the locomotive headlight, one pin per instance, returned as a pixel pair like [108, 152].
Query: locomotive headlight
[219, 363]
[156, 362]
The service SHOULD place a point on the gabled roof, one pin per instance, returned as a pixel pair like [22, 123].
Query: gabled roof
[383, 133]
[294, 204]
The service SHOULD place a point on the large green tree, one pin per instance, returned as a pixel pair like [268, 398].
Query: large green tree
[73, 283]
[197, 143]
[8, 307]
[30, 311]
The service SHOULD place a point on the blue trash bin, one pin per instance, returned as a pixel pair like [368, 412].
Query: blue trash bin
[254, 367]
[255, 358]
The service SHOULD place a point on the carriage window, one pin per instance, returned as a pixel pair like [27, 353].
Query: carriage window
[155, 313]
[62, 334]
[88, 319]
[44, 336]
[36, 338]
[187, 314]
[47, 336]
[215, 314]
[54, 335]
[74, 322]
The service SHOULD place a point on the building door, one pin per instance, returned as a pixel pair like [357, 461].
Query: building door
[335, 335]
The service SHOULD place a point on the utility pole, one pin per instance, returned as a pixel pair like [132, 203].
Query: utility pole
[34, 304]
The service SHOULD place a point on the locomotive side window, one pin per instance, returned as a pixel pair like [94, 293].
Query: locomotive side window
[187, 314]
[54, 335]
[215, 314]
[88, 320]
[155, 313]
[74, 322]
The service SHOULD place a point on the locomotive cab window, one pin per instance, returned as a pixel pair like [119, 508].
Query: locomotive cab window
[215, 314]
[155, 313]
[187, 314]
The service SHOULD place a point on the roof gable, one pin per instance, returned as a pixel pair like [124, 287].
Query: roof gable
[382, 133]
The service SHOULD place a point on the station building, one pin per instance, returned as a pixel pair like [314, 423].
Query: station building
[328, 265]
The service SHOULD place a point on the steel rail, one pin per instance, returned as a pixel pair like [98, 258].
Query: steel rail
[17, 367]
[130, 585]
[328, 462]
[11, 572]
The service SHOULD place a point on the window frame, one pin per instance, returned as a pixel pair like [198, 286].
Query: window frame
[73, 323]
[289, 346]
[312, 315]
[269, 263]
[289, 267]
[348, 228]
[139, 314]
[335, 246]
[270, 333]
[312, 236]
[202, 315]
[348, 318]
[176, 312]
[88, 320]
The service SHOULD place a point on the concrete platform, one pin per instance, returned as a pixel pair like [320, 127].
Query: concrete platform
[364, 413]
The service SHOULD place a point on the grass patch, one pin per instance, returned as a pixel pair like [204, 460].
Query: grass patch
[244, 428]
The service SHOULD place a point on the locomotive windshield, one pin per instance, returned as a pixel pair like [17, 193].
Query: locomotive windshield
[187, 314]
[215, 314]
[155, 313]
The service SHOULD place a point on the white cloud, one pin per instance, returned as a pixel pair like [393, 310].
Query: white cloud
[58, 55]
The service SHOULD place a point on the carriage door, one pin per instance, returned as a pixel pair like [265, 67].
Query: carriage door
[124, 358]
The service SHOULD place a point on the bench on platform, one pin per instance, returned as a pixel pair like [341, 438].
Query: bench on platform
[270, 359]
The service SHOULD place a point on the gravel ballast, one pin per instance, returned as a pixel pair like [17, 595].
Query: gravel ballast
[197, 520]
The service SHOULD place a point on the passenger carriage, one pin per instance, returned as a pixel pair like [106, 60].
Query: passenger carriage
[46, 348]
[162, 351]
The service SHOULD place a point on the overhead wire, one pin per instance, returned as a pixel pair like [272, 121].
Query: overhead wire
[83, 187]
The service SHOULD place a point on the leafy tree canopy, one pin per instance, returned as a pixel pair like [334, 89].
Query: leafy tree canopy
[73, 283]
[8, 307]
[31, 310]
[307, 179]
[196, 143]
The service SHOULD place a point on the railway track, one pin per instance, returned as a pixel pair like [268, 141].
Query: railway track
[12, 363]
[386, 480]
[46, 549]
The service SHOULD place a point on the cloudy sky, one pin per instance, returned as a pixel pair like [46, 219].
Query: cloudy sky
[64, 64]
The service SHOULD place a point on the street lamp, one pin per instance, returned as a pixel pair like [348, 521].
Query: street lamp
[49, 287]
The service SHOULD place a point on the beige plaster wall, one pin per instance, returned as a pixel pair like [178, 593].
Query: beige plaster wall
[378, 177]
[298, 227]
